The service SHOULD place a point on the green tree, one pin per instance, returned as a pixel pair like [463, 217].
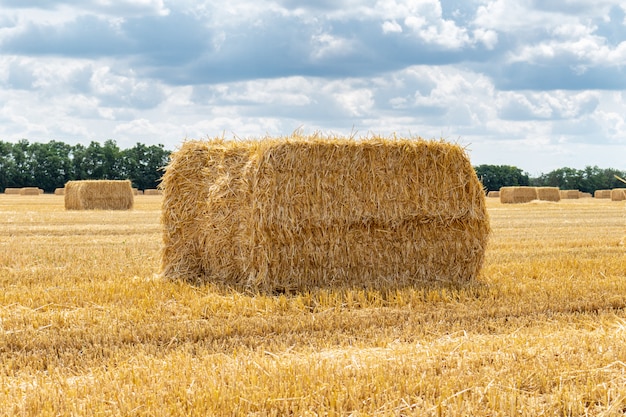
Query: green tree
[143, 164]
[494, 177]
[7, 165]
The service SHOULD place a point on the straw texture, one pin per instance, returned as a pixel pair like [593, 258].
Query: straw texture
[548, 194]
[618, 194]
[517, 195]
[99, 195]
[294, 213]
[569, 194]
[30, 191]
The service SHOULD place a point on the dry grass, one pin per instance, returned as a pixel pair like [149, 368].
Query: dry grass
[87, 329]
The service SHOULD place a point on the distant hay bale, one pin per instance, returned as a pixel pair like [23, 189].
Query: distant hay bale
[493, 194]
[584, 195]
[302, 212]
[152, 191]
[59, 191]
[548, 194]
[517, 195]
[12, 191]
[569, 194]
[602, 194]
[30, 191]
[618, 194]
[99, 195]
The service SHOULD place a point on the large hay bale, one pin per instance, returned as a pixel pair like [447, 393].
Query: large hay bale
[301, 212]
[99, 195]
[517, 195]
[30, 191]
[548, 194]
[569, 194]
[12, 191]
[618, 194]
[602, 194]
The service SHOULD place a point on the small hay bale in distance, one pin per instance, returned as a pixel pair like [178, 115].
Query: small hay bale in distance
[493, 194]
[59, 191]
[30, 191]
[152, 191]
[548, 194]
[99, 195]
[12, 191]
[602, 194]
[569, 194]
[618, 194]
[296, 213]
[517, 195]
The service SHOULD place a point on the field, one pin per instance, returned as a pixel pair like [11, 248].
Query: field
[88, 328]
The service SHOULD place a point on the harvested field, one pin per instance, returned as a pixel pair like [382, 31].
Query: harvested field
[88, 328]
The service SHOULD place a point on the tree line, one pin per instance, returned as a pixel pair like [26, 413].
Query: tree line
[587, 180]
[50, 165]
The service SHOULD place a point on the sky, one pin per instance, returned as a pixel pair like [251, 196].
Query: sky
[537, 84]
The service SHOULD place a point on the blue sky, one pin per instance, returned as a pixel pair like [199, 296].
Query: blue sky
[539, 84]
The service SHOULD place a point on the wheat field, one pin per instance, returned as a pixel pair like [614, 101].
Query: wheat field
[87, 328]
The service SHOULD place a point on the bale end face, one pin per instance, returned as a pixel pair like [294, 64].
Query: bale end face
[297, 213]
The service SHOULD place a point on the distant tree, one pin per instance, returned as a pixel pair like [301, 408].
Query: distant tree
[143, 165]
[587, 180]
[7, 165]
[51, 164]
[494, 177]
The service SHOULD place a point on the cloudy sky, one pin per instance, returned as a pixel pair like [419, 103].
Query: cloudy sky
[539, 84]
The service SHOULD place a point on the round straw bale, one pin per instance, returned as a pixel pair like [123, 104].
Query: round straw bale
[99, 195]
[12, 191]
[300, 212]
[602, 194]
[493, 194]
[548, 194]
[152, 191]
[618, 194]
[30, 191]
[59, 191]
[517, 195]
[569, 194]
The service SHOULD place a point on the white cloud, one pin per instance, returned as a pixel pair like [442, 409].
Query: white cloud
[516, 80]
[391, 26]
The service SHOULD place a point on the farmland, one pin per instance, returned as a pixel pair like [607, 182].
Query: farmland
[88, 328]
